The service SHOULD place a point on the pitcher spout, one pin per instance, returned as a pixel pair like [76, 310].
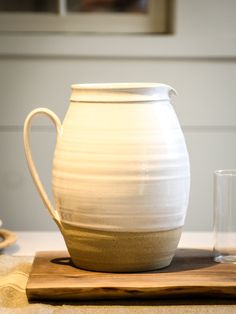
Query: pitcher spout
[167, 90]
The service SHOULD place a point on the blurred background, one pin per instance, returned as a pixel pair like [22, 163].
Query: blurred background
[45, 46]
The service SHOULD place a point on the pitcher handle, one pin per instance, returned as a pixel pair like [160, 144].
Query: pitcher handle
[27, 126]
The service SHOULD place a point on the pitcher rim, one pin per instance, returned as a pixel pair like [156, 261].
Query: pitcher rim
[118, 85]
[121, 92]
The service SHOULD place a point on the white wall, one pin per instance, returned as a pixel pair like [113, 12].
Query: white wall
[199, 60]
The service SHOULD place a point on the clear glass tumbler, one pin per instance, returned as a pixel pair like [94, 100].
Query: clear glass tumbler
[225, 216]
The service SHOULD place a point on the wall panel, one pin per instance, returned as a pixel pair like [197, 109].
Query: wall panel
[205, 88]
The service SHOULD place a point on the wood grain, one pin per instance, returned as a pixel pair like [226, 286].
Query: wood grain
[192, 273]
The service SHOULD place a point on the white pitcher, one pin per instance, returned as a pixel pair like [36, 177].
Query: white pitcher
[120, 176]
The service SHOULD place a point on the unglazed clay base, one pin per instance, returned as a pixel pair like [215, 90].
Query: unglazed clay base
[120, 251]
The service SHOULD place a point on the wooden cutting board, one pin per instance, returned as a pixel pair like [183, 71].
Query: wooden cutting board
[192, 273]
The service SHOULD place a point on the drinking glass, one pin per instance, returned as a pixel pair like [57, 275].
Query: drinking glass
[225, 216]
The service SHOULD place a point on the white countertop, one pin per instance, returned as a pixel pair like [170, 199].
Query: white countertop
[29, 242]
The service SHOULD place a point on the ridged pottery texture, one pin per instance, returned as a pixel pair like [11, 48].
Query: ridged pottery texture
[120, 176]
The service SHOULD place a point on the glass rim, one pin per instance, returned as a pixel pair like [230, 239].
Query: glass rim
[225, 172]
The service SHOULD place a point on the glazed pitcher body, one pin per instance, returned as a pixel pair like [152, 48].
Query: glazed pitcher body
[120, 177]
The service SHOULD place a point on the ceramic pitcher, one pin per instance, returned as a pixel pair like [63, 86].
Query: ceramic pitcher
[120, 176]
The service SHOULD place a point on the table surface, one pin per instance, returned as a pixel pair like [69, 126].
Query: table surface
[29, 242]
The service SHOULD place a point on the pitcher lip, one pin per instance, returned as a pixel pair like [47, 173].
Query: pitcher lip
[118, 85]
[120, 92]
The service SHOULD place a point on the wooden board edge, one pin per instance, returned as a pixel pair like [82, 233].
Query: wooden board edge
[107, 293]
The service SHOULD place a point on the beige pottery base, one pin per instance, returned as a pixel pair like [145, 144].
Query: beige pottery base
[120, 251]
